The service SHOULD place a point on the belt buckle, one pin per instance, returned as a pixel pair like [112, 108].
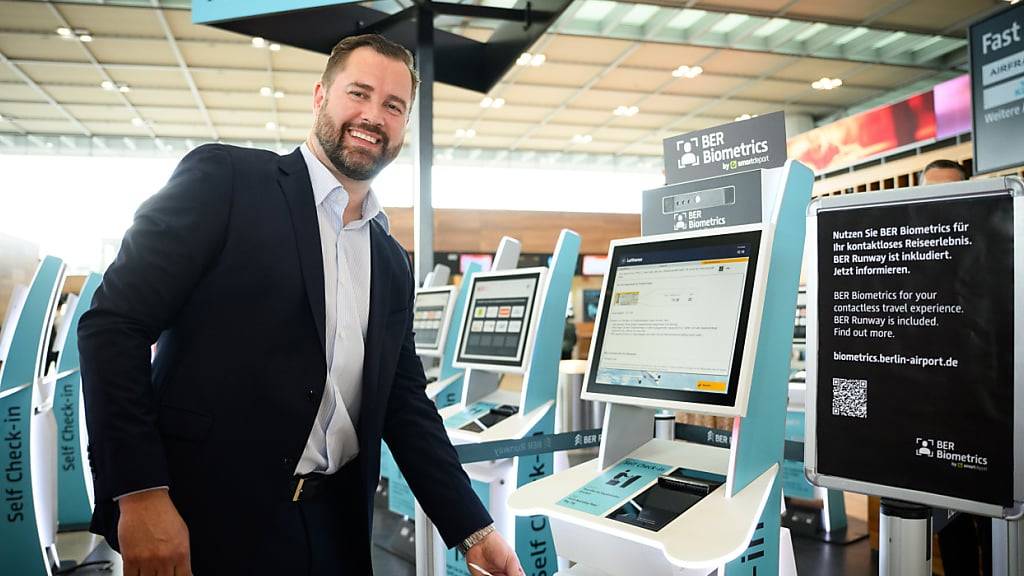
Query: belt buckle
[298, 490]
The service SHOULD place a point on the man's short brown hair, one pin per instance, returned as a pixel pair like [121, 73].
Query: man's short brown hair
[379, 44]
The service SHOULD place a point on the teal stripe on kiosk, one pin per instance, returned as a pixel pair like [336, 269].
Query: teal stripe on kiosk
[534, 545]
[762, 436]
[22, 518]
[74, 478]
[542, 375]
[453, 393]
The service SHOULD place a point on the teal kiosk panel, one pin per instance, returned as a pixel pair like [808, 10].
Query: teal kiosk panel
[25, 538]
[453, 392]
[74, 478]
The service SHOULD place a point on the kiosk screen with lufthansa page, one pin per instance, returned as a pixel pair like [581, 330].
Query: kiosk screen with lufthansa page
[673, 318]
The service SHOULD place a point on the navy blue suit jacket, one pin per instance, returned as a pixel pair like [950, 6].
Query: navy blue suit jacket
[223, 268]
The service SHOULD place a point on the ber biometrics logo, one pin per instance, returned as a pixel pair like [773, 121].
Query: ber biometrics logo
[946, 450]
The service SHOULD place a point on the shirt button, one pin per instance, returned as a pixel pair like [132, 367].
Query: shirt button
[310, 394]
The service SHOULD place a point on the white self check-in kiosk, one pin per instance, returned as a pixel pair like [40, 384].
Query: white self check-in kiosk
[436, 314]
[28, 445]
[512, 323]
[698, 320]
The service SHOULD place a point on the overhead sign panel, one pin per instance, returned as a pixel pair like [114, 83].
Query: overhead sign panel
[756, 143]
[997, 90]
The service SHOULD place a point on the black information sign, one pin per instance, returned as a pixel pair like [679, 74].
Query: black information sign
[757, 143]
[997, 90]
[915, 347]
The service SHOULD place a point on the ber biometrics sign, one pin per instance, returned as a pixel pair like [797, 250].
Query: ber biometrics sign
[914, 362]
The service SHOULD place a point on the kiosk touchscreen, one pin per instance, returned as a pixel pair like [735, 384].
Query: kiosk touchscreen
[498, 324]
[673, 327]
[432, 315]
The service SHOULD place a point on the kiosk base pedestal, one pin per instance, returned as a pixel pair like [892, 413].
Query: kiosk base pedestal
[1007, 547]
[905, 539]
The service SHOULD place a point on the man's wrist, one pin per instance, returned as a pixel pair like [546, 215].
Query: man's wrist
[475, 538]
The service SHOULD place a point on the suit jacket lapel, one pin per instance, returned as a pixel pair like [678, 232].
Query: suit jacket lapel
[381, 278]
[294, 182]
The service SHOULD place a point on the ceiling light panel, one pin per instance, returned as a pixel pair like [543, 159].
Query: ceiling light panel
[729, 23]
[639, 15]
[686, 18]
[771, 27]
[851, 35]
[811, 31]
[595, 10]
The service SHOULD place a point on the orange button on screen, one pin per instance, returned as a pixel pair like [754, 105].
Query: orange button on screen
[711, 386]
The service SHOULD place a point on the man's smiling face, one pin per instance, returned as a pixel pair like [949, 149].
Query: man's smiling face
[361, 117]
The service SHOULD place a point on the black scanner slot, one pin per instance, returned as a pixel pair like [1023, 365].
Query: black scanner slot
[656, 507]
[496, 414]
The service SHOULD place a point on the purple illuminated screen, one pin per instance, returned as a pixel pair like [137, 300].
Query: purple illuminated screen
[953, 107]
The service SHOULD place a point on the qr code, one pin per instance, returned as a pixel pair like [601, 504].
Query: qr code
[849, 397]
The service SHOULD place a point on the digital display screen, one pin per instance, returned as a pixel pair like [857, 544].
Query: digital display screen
[595, 265]
[591, 299]
[430, 318]
[675, 319]
[484, 260]
[497, 321]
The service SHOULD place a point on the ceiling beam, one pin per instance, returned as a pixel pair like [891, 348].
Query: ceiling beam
[183, 66]
[99, 68]
[625, 54]
[39, 90]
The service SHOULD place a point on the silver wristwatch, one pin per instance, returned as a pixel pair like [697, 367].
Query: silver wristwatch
[475, 538]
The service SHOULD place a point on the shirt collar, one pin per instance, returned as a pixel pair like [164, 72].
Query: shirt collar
[324, 183]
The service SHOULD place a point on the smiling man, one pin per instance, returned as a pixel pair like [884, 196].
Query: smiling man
[281, 307]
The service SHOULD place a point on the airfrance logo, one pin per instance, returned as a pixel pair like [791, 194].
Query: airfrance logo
[946, 450]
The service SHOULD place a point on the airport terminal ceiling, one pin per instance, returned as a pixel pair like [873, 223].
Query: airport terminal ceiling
[604, 86]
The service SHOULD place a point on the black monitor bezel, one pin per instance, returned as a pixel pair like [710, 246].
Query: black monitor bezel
[528, 319]
[751, 237]
[446, 318]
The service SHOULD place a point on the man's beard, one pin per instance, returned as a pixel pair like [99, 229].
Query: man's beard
[357, 163]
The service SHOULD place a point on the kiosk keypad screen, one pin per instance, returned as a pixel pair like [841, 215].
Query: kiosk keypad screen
[429, 316]
[498, 318]
[674, 319]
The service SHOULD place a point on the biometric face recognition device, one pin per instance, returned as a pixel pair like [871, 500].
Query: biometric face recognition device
[513, 323]
[915, 362]
[28, 453]
[697, 320]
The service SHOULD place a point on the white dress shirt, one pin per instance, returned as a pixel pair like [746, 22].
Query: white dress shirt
[346, 255]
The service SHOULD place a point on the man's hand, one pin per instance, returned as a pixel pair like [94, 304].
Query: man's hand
[495, 556]
[153, 537]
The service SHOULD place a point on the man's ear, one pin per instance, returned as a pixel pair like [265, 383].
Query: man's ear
[319, 95]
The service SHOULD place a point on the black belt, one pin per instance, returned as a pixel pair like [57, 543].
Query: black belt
[307, 486]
